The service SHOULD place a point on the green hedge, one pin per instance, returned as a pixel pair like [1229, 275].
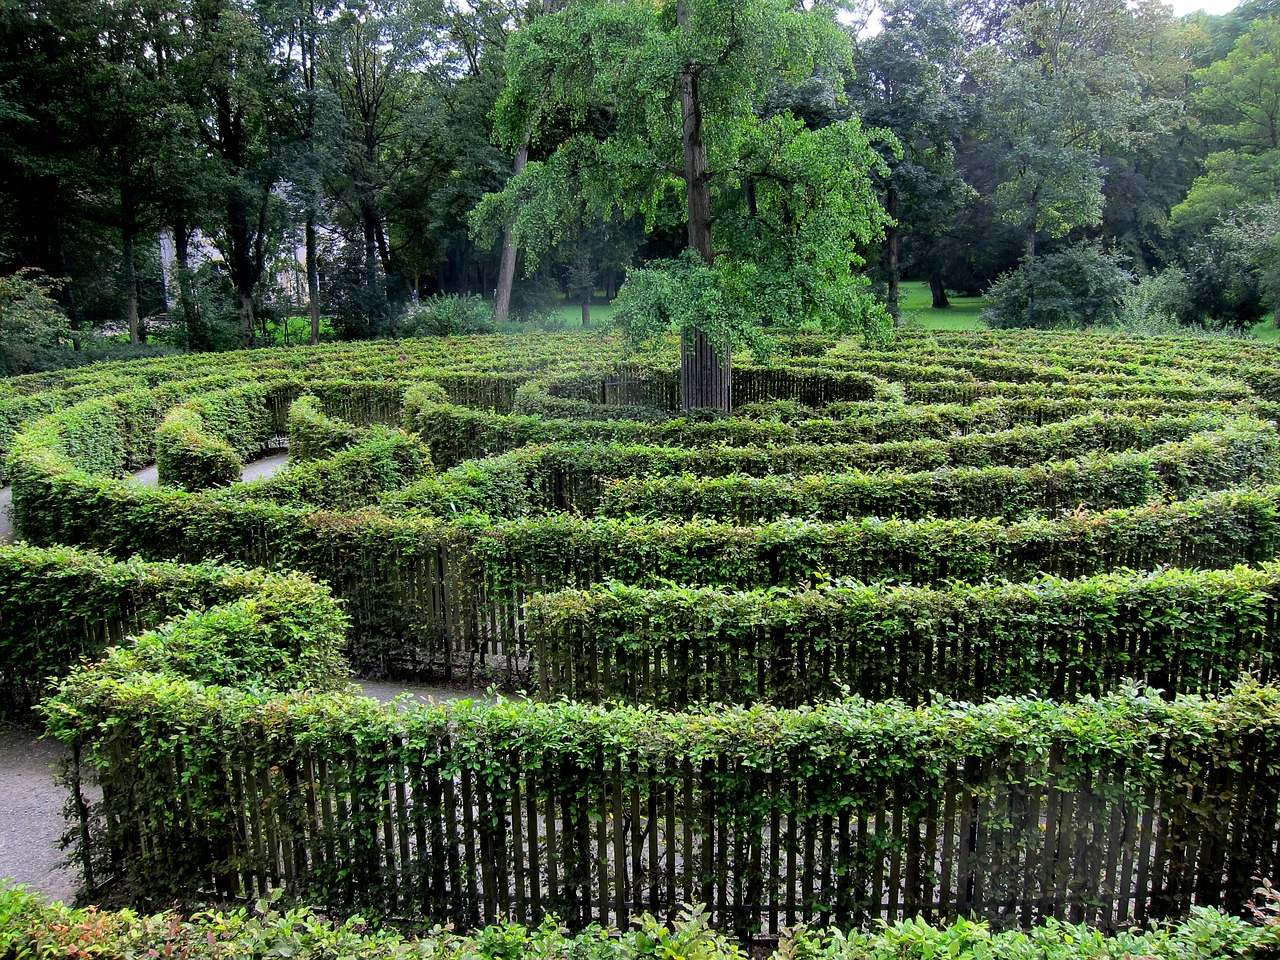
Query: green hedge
[1180, 631]
[190, 456]
[313, 435]
[578, 476]
[1214, 531]
[457, 433]
[385, 459]
[60, 605]
[1208, 461]
[418, 596]
[33, 930]
[1016, 809]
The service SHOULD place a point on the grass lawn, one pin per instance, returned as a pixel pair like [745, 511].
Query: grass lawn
[916, 308]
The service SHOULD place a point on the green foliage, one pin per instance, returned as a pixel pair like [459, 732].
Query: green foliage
[1079, 287]
[33, 930]
[740, 766]
[790, 252]
[289, 634]
[382, 459]
[61, 605]
[31, 322]
[1154, 303]
[1183, 632]
[189, 456]
[1094, 482]
[447, 316]
[313, 435]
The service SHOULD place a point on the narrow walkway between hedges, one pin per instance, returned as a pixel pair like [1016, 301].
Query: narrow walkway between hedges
[32, 801]
[147, 477]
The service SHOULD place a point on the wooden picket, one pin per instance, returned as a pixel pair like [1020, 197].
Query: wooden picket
[607, 840]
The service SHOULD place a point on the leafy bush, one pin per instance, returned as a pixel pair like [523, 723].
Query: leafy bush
[31, 322]
[1079, 287]
[191, 457]
[448, 315]
[1155, 303]
[313, 435]
[384, 459]
[288, 635]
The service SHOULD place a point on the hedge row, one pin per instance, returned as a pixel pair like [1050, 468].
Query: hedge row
[1208, 461]
[385, 460]
[60, 605]
[422, 590]
[313, 434]
[1109, 811]
[1180, 631]
[456, 433]
[1217, 530]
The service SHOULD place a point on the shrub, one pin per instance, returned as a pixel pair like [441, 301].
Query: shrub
[448, 316]
[313, 435]
[190, 457]
[1079, 287]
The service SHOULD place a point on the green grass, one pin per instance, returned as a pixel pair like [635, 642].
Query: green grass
[917, 308]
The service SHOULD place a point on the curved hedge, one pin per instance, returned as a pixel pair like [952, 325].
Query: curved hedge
[1206, 461]
[60, 606]
[842, 812]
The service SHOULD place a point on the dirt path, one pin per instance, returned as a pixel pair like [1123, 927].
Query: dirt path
[31, 801]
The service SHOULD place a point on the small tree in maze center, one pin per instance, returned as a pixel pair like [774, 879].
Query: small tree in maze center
[652, 102]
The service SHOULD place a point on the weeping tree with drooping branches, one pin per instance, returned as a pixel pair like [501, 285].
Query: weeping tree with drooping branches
[636, 108]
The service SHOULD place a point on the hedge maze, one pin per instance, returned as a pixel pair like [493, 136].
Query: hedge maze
[977, 624]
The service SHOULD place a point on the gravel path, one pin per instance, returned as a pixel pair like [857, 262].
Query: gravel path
[31, 820]
[6, 522]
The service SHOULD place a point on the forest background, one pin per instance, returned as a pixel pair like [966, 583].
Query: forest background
[208, 174]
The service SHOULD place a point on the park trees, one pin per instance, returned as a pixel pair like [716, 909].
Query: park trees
[908, 80]
[659, 110]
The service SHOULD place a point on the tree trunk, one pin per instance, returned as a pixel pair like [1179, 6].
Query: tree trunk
[586, 310]
[892, 300]
[246, 318]
[937, 290]
[313, 279]
[706, 374]
[130, 283]
[507, 267]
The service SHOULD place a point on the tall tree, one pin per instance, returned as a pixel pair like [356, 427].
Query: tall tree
[1060, 89]
[773, 211]
[227, 81]
[908, 80]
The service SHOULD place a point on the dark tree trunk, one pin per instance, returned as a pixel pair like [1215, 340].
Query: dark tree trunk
[1029, 268]
[937, 290]
[586, 310]
[507, 266]
[706, 374]
[130, 283]
[313, 279]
